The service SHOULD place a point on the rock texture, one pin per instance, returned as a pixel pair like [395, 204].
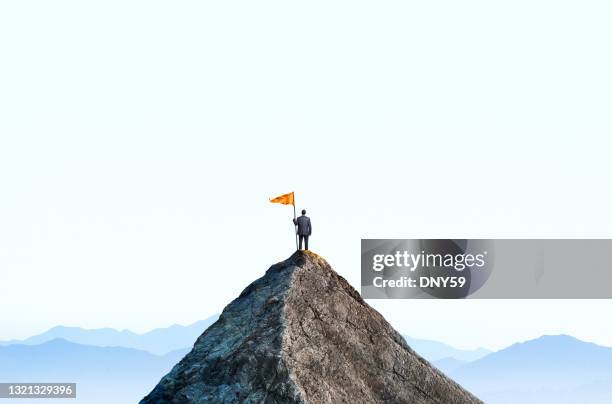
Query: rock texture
[302, 334]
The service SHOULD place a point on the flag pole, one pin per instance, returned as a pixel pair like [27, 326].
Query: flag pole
[295, 225]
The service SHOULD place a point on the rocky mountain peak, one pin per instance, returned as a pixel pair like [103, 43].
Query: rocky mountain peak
[302, 334]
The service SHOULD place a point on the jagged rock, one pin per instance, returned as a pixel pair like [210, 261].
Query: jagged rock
[302, 334]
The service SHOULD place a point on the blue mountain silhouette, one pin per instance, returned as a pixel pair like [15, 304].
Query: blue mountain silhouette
[163, 340]
[448, 365]
[549, 369]
[158, 341]
[102, 374]
[434, 351]
[108, 368]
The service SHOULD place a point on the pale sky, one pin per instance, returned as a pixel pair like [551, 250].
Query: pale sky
[140, 142]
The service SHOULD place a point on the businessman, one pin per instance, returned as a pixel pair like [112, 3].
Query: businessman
[304, 228]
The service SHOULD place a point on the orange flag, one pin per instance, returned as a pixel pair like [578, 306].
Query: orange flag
[286, 199]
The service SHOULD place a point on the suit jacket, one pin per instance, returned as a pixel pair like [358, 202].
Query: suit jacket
[304, 226]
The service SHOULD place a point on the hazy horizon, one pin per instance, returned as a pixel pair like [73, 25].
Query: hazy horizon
[438, 339]
[451, 344]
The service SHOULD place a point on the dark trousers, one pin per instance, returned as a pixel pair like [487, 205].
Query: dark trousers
[304, 238]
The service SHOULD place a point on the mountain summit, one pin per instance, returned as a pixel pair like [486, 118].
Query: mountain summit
[302, 334]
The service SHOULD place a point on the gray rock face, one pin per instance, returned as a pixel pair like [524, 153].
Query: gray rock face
[302, 334]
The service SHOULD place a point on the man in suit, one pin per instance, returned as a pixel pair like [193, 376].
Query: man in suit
[304, 228]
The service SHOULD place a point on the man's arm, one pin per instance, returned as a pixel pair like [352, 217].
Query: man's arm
[295, 222]
[309, 227]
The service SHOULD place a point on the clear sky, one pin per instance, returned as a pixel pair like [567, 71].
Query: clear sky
[140, 142]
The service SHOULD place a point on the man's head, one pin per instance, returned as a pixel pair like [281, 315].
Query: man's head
[303, 211]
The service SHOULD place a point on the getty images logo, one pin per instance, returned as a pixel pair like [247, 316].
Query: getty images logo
[424, 268]
[414, 261]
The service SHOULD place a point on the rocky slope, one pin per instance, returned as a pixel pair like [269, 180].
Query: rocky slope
[302, 334]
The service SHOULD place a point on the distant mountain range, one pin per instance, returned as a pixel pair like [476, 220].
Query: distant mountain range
[103, 374]
[163, 340]
[158, 341]
[448, 365]
[434, 351]
[549, 369]
[121, 366]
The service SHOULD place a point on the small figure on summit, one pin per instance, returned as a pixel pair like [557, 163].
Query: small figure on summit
[304, 228]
